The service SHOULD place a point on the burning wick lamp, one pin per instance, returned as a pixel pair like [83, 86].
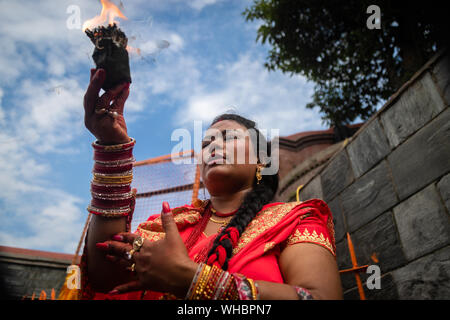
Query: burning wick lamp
[110, 54]
[110, 42]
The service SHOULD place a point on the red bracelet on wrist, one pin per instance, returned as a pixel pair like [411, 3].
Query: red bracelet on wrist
[113, 156]
[112, 176]
[113, 148]
[98, 168]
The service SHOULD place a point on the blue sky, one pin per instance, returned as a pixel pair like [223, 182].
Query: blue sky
[212, 64]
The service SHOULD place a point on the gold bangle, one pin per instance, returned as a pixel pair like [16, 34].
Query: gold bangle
[115, 177]
[253, 289]
[121, 174]
[198, 290]
[113, 180]
[197, 281]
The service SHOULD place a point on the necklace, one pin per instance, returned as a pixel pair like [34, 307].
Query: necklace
[224, 222]
[220, 214]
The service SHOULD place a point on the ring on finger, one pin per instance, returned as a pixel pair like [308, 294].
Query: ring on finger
[113, 114]
[138, 243]
[100, 110]
[133, 267]
[129, 254]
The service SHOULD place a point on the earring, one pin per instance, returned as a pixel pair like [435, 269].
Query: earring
[258, 174]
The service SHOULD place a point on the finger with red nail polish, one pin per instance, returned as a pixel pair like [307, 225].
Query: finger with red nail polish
[102, 246]
[165, 207]
[117, 237]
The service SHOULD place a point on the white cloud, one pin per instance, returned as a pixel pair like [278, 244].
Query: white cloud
[41, 95]
[55, 226]
[33, 213]
[50, 115]
[41, 113]
[2, 112]
[200, 4]
[272, 99]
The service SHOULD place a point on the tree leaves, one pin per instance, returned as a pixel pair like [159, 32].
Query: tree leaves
[354, 68]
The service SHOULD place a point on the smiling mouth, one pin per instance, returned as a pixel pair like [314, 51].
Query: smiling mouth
[216, 161]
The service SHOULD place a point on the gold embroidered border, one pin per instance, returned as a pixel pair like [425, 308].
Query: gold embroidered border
[150, 235]
[269, 246]
[263, 221]
[313, 237]
[153, 230]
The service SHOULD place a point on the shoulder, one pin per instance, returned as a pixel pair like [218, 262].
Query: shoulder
[314, 225]
[277, 223]
[316, 207]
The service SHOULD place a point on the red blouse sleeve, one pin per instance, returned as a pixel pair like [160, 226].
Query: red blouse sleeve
[316, 226]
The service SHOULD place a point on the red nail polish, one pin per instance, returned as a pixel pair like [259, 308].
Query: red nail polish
[165, 207]
[111, 258]
[117, 237]
[101, 246]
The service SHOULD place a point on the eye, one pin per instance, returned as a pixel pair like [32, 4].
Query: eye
[207, 141]
[231, 136]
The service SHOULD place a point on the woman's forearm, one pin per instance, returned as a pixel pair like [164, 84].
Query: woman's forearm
[104, 274]
[111, 207]
[211, 282]
[278, 291]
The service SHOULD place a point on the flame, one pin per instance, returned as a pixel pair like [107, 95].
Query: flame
[109, 13]
[133, 50]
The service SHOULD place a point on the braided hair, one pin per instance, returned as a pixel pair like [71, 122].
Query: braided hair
[260, 195]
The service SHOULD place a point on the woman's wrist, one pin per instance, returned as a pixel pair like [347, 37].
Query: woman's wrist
[111, 192]
[106, 142]
[213, 283]
[189, 273]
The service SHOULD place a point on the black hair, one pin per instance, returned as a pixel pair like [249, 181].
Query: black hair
[260, 195]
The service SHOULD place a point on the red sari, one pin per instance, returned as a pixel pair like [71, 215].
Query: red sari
[256, 255]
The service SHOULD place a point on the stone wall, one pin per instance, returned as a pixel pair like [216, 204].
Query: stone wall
[24, 272]
[389, 187]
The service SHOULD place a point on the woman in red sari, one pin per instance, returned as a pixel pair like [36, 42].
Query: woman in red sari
[237, 245]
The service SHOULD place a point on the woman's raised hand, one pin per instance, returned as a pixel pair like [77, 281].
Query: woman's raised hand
[162, 266]
[103, 115]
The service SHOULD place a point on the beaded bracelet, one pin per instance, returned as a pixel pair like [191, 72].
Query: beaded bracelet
[303, 294]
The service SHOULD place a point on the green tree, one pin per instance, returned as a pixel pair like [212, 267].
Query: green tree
[354, 68]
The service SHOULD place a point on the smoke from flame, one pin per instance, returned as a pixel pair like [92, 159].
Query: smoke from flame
[108, 14]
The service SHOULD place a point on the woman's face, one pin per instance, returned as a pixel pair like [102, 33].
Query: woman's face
[228, 159]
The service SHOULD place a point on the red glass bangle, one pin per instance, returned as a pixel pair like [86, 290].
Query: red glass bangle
[110, 213]
[115, 189]
[109, 204]
[113, 148]
[113, 156]
[112, 169]
[115, 163]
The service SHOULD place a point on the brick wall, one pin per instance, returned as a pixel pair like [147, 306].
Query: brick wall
[389, 187]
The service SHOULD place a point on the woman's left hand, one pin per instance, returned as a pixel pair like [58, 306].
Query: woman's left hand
[162, 266]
